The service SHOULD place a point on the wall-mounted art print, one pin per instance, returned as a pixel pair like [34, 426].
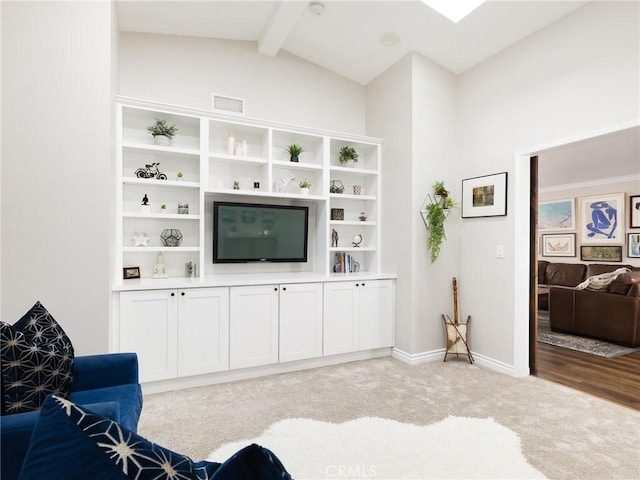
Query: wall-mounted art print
[634, 208]
[601, 253]
[559, 245]
[602, 219]
[484, 196]
[557, 215]
[634, 245]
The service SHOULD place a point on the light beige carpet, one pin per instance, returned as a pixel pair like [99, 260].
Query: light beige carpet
[565, 434]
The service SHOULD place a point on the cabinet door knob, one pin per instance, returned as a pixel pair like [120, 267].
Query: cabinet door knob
[284, 288]
[363, 284]
[275, 289]
[357, 284]
[173, 294]
[182, 293]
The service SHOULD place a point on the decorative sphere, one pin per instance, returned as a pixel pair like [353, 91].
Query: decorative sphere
[357, 240]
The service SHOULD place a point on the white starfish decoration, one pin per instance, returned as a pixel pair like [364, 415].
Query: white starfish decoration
[140, 239]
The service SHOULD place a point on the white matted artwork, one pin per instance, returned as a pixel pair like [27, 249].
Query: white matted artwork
[634, 245]
[484, 196]
[557, 215]
[559, 245]
[602, 219]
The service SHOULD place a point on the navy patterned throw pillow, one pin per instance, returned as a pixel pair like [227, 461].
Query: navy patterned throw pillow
[70, 442]
[37, 359]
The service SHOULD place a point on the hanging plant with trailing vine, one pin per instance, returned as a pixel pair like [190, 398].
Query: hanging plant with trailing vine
[436, 215]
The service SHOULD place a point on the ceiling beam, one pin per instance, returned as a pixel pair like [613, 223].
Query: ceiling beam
[280, 26]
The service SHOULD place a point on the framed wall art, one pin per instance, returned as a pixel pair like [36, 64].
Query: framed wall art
[130, 272]
[484, 196]
[634, 208]
[602, 219]
[634, 245]
[601, 253]
[557, 215]
[559, 245]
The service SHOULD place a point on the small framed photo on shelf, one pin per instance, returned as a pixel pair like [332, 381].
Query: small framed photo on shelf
[634, 245]
[559, 245]
[601, 253]
[130, 272]
[485, 196]
[634, 208]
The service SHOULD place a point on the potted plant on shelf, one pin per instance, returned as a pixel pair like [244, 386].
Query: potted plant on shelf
[179, 176]
[348, 155]
[436, 215]
[161, 132]
[294, 151]
[163, 208]
[304, 185]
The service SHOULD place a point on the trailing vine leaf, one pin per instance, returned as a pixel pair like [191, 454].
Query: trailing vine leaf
[435, 218]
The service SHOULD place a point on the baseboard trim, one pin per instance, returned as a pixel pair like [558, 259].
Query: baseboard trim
[194, 381]
[438, 355]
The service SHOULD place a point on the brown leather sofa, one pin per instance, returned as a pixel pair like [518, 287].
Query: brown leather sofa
[612, 314]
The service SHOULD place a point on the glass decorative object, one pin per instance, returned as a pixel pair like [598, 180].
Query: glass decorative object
[171, 237]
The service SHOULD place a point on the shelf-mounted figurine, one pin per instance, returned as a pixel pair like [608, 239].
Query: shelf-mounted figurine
[140, 239]
[161, 132]
[334, 237]
[357, 240]
[281, 185]
[150, 170]
[144, 206]
[160, 268]
[363, 217]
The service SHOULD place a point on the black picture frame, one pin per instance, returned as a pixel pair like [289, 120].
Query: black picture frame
[601, 253]
[634, 211]
[130, 272]
[485, 196]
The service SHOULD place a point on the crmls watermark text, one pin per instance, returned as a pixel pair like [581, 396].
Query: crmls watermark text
[351, 471]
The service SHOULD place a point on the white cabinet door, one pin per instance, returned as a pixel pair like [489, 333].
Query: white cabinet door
[375, 299]
[148, 326]
[300, 321]
[253, 326]
[203, 330]
[340, 313]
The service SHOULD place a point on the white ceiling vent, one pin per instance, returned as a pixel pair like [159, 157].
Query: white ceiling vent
[225, 104]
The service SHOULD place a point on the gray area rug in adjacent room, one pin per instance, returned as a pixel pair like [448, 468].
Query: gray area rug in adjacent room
[574, 342]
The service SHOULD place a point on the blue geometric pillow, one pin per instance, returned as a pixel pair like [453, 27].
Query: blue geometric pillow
[72, 443]
[36, 360]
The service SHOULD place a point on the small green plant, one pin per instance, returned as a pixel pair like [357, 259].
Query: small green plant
[348, 153]
[294, 150]
[305, 184]
[161, 128]
[236, 185]
[438, 189]
[179, 175]
[163, 206]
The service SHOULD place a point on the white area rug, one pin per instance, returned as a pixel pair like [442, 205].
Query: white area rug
[376, 448]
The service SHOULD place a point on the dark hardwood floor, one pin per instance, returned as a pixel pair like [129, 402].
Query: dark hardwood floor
[614, 379]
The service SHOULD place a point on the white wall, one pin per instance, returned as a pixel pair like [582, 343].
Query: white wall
[578, 75]
[412, 106]
[629, 186]
[56, 164]
[187, 70]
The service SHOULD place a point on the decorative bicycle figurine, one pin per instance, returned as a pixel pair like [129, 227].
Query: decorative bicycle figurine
[150, 170]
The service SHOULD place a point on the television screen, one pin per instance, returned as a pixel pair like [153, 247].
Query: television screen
[247, 232]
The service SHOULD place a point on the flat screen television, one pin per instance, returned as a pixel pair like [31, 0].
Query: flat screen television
[250, 232]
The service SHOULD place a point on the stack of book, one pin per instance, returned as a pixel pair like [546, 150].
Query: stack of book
[345, 263]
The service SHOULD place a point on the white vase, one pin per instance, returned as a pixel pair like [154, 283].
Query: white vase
[304, 191]
[161, 140]
[231, 144]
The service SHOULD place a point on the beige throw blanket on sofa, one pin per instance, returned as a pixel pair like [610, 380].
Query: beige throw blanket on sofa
[602, 281]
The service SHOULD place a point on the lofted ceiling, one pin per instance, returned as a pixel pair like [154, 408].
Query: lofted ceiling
[345, 39]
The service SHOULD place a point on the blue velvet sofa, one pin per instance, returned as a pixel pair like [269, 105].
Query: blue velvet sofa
[107, 384]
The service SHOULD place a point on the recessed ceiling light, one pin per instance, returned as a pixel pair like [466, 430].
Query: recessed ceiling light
[389, 39]
[454, 10]
[316, 8]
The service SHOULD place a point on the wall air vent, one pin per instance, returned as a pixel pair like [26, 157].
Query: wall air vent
[225, 104]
